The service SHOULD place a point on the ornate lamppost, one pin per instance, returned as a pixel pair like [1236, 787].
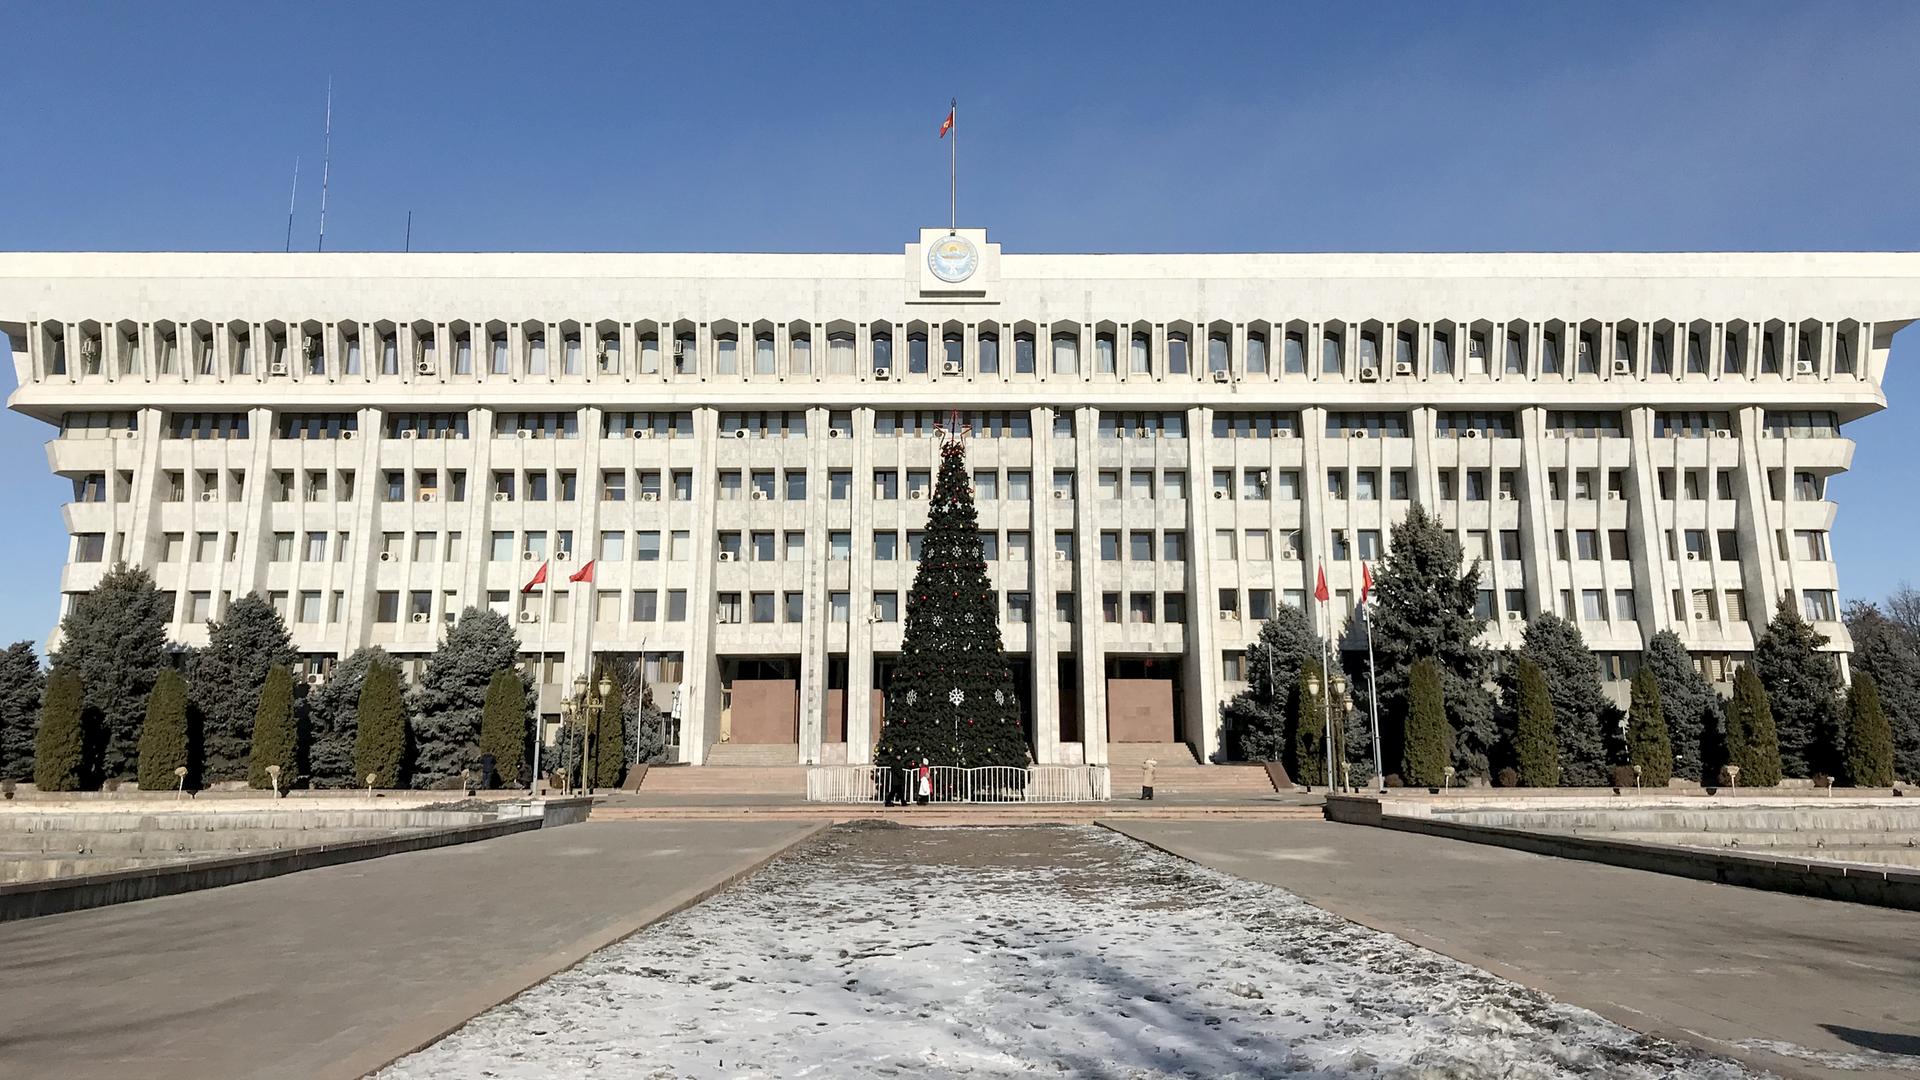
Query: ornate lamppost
[584, 707]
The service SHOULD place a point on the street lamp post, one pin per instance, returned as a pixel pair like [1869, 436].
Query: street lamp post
[584, 706]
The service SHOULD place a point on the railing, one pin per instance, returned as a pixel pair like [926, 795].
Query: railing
[950, 784]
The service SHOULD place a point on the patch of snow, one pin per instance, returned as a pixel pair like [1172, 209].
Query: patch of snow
[883, 952]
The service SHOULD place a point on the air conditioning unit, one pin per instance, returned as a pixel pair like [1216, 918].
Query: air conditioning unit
[1622, 367]
[1282, 433]
[1220, 376]
[640, 433]
[882, 374]
[316, 679]
[649, 496]
[1219, 494]
[409, 433]
[427, 496]
[951, 367]
[835, 433]
[501, 496]
[679, 348]
[1516, 616]
[1369, 374]
[1614, 496]
[424, 367]
[1231, 616]
[208, 496]
[528, 556]
[1693, 556]
[529, 616]
[1360, 434]
[1287, 554]
[1470, 433]
[1506, 496]
[278, 368]
[740, 433]
[348, 435]
[1059, 494]
[916, 493]
[421, 617]
[728, 556]
[386, 556]
[129, 434]
[757, 495]
[562, 556]
[1699, 616]
[524, 433]
[1722, 433]
[1803, 367]
[1403, 369]
[1059, 556]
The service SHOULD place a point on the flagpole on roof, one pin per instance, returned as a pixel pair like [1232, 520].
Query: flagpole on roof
[953, 167]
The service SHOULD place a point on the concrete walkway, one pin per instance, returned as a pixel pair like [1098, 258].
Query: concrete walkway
[1730, 969]
[333, 972]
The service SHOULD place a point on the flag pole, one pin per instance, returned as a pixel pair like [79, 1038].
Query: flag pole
[1373, 702]
[1326, 682]
[953, 167]
[540, 681]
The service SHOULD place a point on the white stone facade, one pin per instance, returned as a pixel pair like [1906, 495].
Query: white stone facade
[1165, 446]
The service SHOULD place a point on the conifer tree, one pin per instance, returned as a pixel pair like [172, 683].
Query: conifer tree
[1648, 745]
[60, 747]
[1579, 704]
[1869, 738]
[1688, 702]
[448, 702]
[332, 712]
[1886, 650]
[1751, 742]
[1536, 749]
[503, 725]
[1803, 687]
[380, 727]
[952, 700]
[1257, 718]
[276, 738]
[1306, 748]
[609, 747]
[1425, 608]
[227, 677]
[1428, 732]
[643, 724]
[114, 638]
[166, 740]
[22, 682]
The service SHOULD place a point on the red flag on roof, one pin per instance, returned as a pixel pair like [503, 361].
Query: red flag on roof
[585, 573]
[1320, 586]
[1366, 583]
[539, 579]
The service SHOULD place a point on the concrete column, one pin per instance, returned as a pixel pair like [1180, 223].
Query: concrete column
[813, 595]
[1092, 665]
[860, 666]
[1200, 662]
[1043, 583]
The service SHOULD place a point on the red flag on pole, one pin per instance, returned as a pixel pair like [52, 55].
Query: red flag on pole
[1366, 583]
[947, 124]
[585, 573]
[1320, 586]
[539, 579]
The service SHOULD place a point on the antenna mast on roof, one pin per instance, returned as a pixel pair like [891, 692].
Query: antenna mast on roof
[326, 168]
[290, 197]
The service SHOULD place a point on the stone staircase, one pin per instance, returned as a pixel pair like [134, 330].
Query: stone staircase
[788, 779]
[1129, 755]
[728, 755]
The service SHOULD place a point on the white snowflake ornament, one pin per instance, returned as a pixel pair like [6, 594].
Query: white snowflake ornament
[957, 696]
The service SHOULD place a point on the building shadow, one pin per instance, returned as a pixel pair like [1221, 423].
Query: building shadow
[1886, 1042]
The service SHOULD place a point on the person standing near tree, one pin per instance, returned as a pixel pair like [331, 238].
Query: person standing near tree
[1146, 779]
[924, 782]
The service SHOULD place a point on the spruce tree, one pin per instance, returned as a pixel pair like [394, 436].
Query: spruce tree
[114, 638]
[1751, 742]
[380, 727]
[22, 682]
[276, 738]
[1425, 608]
[331, 711]
[1536, 749]
[1869, 738]
[1428, 731]
[1803, 687]
[1306, 746]
[1688, 702]
[448, 702]
[60, 747]
[1648, 745]
[609, 746]
[1257, 718]
[166, 740]
[952, 700]
[1579, 704]
[1887, 651]
[643, 724]
[226, 678]
[503, 726]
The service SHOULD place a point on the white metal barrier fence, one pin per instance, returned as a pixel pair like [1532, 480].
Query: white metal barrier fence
[949, 784]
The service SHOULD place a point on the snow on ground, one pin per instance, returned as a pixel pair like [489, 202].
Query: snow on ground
[884, 952]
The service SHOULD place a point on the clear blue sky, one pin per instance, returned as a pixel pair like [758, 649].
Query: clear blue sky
[1111, 127]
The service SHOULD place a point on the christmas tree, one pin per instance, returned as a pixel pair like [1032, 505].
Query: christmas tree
[952, 700]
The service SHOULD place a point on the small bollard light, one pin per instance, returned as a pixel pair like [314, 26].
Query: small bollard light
[371, 777]
[180, 775]
[1636, 777]
[1448, 778]
[1733, 776]
[273, 774]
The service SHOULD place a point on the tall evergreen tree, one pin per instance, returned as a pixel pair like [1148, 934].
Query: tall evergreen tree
[166, 740]
[609, 747]
[380, 727]
[1579, 704]
[22, 682]
[1536, 749]
[1803, 687]
[1257, 718]
[226, 678]
[1306, 746]
[1869, 756]
[503, 725]
[1751, 740]
[1689, 704]
[1648, 744]
[448, 702]
[1425, 609]
[1428, 731]
[60, 746]
[952, 700]
[114, 639]
[332, 708]
[1884, 649]
[276, 737]
[643, 724]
